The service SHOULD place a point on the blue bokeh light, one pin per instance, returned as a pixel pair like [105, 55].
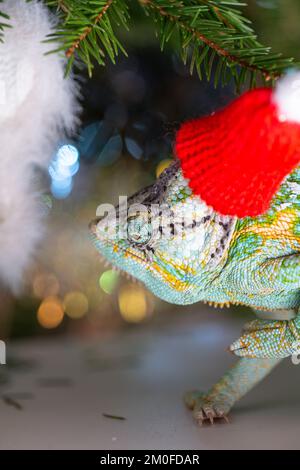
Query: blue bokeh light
[67, 155]
[61, 188]
[63, 167]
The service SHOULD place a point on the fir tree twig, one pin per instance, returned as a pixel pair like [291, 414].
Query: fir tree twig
[87, 29]
[212, 35]
[211, 43]
[215, 32]
[3, 24]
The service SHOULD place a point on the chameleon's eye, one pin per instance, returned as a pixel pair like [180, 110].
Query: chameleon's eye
[139, 229]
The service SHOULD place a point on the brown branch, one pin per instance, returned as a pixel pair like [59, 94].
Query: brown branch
[88, 30]
[61, 5]
[267, 74]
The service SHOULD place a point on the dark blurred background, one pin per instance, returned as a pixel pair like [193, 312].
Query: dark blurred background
[130, 113]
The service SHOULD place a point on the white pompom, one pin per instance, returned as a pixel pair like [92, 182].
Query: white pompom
[37, 105]
[286, 96]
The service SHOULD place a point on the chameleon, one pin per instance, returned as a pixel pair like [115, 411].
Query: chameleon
[185, 252]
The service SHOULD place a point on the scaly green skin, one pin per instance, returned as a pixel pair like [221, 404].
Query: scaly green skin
[219, 259]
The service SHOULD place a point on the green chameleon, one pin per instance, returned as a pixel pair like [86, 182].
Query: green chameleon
[185, 252]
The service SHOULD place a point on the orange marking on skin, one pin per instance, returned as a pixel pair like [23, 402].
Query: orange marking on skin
[179, 266]
[280, 227]
[171, 279]
[176, 283]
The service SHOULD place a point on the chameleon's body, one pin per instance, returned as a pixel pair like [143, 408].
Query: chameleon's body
[205, 256]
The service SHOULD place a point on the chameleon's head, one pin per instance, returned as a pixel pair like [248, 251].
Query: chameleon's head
[165, 237]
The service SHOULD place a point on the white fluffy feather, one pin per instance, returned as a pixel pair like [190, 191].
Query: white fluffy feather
[37, 105]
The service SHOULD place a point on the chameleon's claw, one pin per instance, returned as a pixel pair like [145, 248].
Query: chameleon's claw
[206, 408]
[268, 339]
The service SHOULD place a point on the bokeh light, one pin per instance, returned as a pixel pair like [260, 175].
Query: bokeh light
[62, 169]
[61, 188]
[132, 303]
[50, 313]
[76, 304]
[134, 148]
[67, 155]
[108, 281]
[163, 165]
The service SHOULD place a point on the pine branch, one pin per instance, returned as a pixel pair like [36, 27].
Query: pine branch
[87, 29]
[212, 35]
[214, 32]
[3, 24]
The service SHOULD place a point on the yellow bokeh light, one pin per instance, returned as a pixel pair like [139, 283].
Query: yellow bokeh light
[132, 303]
[45, 285]
[163, 165]
[76, 304]
[50, 313]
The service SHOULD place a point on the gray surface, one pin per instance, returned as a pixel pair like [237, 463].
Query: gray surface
[141, 374]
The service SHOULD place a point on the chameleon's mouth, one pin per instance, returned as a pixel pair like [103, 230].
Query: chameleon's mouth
[126, 252]
[146, 266]
[130, 252]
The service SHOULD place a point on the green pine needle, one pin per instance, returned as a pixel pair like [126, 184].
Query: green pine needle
[212, 36]
[87, 29]
[3, 24]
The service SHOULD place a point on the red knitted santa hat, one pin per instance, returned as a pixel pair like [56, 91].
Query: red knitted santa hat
[236, 159]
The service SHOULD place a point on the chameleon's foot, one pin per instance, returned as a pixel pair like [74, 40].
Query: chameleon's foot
[268, 339]
[205, 408]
